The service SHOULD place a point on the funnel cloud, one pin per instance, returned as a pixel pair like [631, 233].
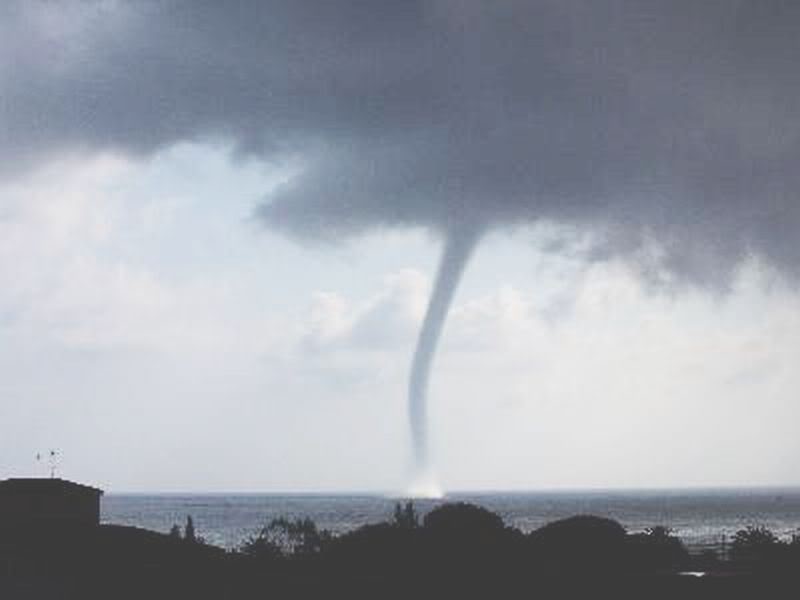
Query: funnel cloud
[457, 250]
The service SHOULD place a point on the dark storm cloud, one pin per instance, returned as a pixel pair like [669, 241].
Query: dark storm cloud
[665, 126]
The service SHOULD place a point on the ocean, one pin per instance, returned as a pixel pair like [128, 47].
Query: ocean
[703, 519]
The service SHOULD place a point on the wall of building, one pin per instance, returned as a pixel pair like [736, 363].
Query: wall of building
[74, 505]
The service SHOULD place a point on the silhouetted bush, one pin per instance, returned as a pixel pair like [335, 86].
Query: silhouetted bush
[757, 547]
[468, 538]
[657, 549]
[382, 549]
[583, 543]
[460, 550]
[261, 547]
[462, 520]
[289, 538]
[405, 516]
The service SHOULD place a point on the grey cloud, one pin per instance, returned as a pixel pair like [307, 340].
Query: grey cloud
[669, 126]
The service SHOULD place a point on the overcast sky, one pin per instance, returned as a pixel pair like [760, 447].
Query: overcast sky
[219, 225]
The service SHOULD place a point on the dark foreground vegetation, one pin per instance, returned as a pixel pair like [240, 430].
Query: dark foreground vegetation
[457, 550]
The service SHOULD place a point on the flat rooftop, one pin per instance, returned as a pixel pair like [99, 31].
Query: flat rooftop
[44, 484]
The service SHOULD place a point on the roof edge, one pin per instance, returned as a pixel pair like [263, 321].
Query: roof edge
[39, 482]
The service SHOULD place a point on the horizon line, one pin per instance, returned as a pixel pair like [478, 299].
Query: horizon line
[402, 495]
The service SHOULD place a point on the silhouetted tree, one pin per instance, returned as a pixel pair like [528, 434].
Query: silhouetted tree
[189, 533]
[755, 545]
[261, 547]
[380, 549]
[175, 531]
[657, 549]
[288, 538]
[581, 543]
[462, 519]
[469, 539]
[405, 516]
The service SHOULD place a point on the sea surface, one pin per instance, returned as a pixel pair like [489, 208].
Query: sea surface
[703, 519]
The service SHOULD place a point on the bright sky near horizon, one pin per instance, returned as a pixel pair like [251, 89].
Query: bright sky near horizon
[163, 342]
[220, 224]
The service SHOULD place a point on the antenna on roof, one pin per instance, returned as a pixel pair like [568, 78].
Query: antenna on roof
[53, 463]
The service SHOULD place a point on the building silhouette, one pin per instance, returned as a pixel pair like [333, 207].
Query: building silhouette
[48, 501]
